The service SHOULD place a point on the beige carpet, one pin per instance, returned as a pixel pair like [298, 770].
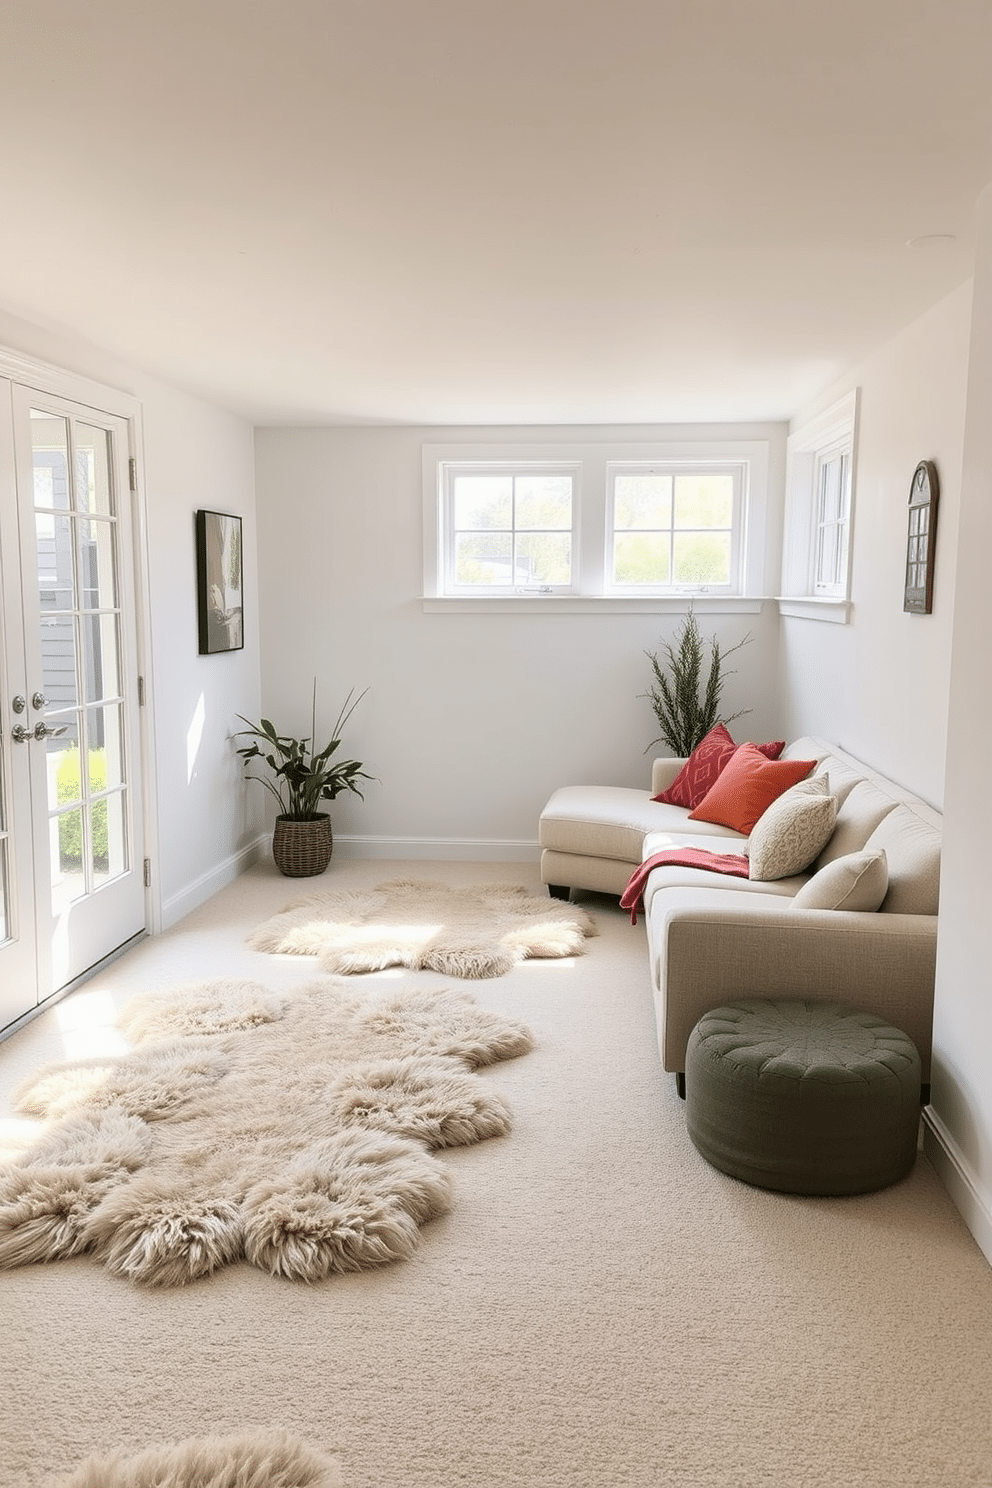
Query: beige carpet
[599, 1309]
[464, 930]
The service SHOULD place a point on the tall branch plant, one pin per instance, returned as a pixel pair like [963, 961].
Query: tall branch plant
[685, 705]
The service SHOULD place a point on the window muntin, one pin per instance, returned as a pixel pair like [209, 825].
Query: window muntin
[674, 528]
[509, 529]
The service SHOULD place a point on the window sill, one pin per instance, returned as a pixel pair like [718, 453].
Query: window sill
[806, 607]
[592, 604]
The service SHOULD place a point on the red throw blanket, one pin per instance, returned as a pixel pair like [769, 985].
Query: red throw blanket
[736, 864]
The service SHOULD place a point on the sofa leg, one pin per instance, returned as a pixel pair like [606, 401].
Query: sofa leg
[559, 891]
[680, 1083]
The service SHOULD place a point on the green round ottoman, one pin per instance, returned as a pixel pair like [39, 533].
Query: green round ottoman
[803, 1097]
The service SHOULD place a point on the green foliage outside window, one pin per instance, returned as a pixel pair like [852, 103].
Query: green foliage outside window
[71, 824]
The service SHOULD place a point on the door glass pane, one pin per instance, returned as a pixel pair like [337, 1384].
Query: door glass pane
[65, 781]
[56, 586]
[109, 838]
[96, 565]
[50, 458]
[105, 754]
[68, 878]
[101, 669]
[58, 661]
[93, 492]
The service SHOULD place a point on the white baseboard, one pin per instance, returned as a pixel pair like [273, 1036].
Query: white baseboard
[957, 1177]
[455, 849]
[208, 884]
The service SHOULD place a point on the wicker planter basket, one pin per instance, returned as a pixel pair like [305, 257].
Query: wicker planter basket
[302, 848]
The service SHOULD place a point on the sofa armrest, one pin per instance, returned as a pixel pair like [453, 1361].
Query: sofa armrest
[706, 947]
[663, 772]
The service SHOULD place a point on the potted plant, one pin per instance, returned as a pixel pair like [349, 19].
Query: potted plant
[685, 709]
[303, 777]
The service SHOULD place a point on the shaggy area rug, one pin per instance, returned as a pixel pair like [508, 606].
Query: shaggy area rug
[294, 1130]
[271, 1459]
[482, 930]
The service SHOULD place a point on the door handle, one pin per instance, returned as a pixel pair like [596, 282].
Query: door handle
[20, 734]
[42, 731]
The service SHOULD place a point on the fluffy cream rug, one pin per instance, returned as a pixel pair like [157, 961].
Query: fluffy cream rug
[477, 931]
[294, 1130]
[271, 1459]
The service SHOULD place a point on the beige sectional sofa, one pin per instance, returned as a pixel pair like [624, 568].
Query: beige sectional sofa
[712, 938]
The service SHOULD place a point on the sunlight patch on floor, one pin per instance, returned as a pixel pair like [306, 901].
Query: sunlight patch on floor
[87, 1025]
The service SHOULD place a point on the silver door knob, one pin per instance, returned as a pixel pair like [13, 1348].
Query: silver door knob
[20, 734]
[42, 731]
[18, 704]
[38, 700]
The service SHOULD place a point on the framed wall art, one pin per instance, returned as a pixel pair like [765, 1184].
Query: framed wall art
[219, 582]
[921, 541]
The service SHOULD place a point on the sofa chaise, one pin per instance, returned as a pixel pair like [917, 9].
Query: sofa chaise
[858, 924]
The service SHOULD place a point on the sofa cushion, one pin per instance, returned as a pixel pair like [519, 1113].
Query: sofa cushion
[746, 787]
[610, 821]
[857, 818]
[705, 764]
[856, 882]
[842, 778]
[793, 831]
[912, 850]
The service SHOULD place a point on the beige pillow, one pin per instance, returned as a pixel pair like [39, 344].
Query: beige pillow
[793, 830]
[858, 881]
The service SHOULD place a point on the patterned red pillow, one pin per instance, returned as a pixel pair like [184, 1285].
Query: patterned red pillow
[705, 764]
[747, 786]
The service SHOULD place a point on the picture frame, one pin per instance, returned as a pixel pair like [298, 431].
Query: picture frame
[921, 540]
[219, 579]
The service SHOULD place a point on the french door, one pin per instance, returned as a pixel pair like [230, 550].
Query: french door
[71, 840]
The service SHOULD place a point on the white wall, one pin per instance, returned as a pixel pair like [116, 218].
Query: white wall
[878, 686]
[471, 719]
[959, 1122]
[203, 824]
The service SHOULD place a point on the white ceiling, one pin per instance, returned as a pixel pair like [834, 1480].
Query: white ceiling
[490, 211]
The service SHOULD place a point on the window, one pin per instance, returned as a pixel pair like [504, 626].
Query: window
[816, 568]
[508, 530]
[674, 528]
[594, 525]
[833, 492]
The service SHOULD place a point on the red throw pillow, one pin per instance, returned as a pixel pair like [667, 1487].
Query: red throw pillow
[747, 785]
[704, 765]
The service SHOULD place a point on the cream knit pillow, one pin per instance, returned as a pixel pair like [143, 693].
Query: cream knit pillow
[793, 831]
[858, 881]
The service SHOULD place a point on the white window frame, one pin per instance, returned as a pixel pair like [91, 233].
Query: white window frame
[449, 470]
[809, 449]
[591, 590]
[737, 469]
